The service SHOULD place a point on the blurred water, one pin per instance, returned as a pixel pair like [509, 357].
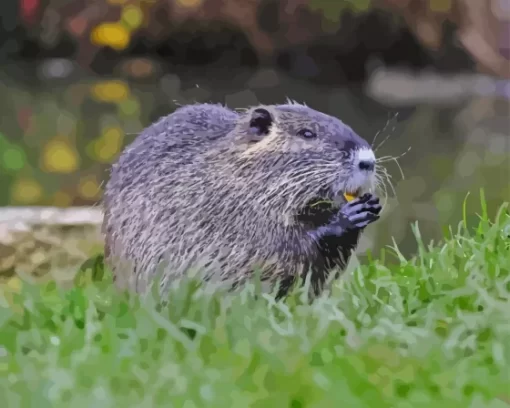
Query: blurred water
[61, 129]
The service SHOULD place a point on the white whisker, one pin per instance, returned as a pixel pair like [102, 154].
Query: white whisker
[388, 158]
[388, 121]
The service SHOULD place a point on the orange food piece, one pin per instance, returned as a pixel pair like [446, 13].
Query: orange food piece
[349, 197]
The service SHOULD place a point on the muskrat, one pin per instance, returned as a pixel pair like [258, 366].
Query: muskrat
[230, 192]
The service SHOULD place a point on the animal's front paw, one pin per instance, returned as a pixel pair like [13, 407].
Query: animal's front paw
[360, 212]
[357, 214]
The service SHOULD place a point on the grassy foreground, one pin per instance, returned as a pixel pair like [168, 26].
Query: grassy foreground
[431, 331]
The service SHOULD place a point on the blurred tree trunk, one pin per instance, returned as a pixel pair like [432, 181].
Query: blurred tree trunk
[482, 27]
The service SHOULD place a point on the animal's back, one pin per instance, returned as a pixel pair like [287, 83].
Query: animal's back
[163, 151]
[191, 126]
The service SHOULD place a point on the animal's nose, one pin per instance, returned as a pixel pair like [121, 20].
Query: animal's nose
[367, 165]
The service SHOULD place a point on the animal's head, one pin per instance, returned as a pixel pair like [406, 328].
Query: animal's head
[305, 154]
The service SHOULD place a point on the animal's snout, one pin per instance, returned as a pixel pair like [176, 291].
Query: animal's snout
[367, 165]
[366, 160]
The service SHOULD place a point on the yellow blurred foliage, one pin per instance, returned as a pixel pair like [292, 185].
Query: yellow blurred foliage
[62, 199]
[132, 16]
[8, 290]
[89, 187]
[26, 191]
[129, 107]
[110, 91]
[190, 3]
[440, 6]
[14, 284]
[59, 157]
[107, 146]
[113, 35]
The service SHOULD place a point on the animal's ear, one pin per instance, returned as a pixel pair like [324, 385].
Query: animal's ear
[260, 123]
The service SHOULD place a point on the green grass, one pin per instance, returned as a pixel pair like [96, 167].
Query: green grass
[431, 331]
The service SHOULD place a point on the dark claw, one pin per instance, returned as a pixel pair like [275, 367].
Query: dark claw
[365, 223]
[361, 217]
[356, 214]
[360, 212]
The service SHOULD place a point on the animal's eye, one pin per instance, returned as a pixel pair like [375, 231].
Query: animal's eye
[307, 134]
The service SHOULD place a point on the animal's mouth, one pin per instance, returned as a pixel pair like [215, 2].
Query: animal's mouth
[347, 195]
[335, 201]
[318, 211]
[351, 195]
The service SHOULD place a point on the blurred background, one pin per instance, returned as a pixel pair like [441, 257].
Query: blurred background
[430, 78]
